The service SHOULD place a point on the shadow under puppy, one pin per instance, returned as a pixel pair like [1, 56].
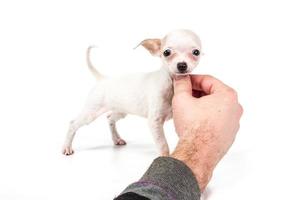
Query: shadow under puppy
[148, 94]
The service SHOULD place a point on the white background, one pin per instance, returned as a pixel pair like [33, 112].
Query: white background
[44, 81]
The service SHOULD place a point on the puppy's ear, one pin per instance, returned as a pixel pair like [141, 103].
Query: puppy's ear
[152, 45]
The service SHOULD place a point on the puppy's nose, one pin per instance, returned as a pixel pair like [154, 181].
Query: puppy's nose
[182, 66]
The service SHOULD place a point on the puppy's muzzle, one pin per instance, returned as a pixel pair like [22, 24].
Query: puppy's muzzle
[182, 67]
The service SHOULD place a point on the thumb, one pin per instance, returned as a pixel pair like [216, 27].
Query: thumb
[182, 84]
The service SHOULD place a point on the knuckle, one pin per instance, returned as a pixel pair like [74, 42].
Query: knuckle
[209, 76]
[231, 95]
[180, 98]
[240, 109]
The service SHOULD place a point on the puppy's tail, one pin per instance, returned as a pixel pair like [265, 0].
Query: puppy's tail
[96, 74]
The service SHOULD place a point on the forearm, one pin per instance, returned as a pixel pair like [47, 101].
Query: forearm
[200, 160]
[167, 178]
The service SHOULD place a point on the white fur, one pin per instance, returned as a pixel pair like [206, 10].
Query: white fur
[148, 95]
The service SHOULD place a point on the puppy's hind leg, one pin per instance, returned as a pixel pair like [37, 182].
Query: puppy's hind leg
[85, 118]
[112, 119]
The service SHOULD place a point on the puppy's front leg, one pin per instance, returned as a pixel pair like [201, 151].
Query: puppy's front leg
[156, 127]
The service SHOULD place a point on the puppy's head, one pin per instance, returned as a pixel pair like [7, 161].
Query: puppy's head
[180, 51]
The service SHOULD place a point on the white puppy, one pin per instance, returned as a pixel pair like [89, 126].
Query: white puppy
[148, 95]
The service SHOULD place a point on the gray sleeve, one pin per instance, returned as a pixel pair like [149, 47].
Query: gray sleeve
[167, 179]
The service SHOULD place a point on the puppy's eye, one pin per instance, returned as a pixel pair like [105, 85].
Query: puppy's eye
[167, 52]
[196, 52]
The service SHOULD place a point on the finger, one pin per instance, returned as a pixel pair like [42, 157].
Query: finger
[207, 84]
[182, 84]
[198, 93]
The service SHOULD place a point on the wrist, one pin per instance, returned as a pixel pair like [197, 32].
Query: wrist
[198, 162]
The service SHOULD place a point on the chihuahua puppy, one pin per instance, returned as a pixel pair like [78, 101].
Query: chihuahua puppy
[148, 95]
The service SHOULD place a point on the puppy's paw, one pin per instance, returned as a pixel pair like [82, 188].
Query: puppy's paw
[67, 151]
[119, 142]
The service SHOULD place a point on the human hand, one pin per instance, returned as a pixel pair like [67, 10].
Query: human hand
[207, 125]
